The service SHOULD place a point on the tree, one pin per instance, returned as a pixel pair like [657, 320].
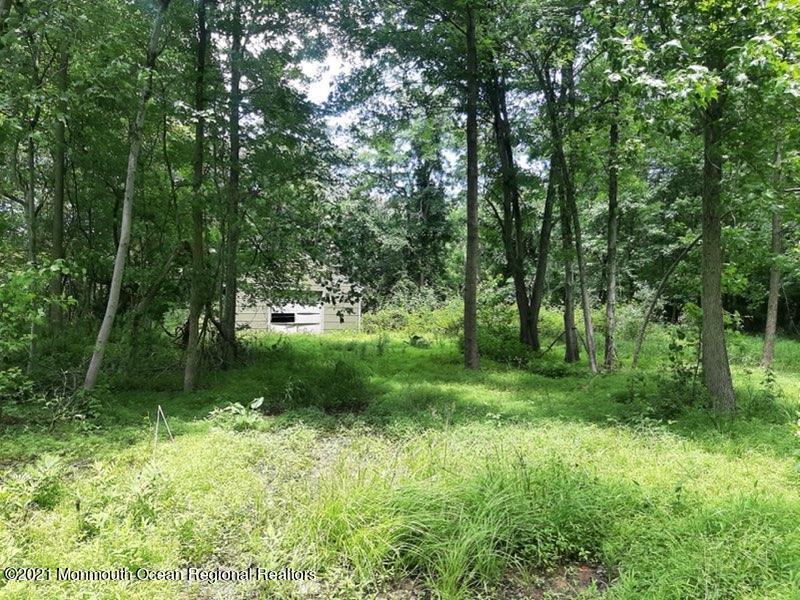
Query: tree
[197, 296]
[510, 216]
[471, 356]
[59, 181]
[232, 216]
[612, 230]
[127, 207]
[716, 368]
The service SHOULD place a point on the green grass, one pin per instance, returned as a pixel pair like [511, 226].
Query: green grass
[456, 481]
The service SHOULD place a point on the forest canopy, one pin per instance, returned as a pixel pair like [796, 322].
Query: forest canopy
[382, 299]
[162, 159]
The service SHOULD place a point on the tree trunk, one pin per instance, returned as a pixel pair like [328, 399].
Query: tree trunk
[512, 214]
[543, 250]
[716, 369]
[30, 225]
[197, 295]
[571, 352]
[613, 230]
[30, 200]
[471, 357]
[570, 207]
[233, 217]
[774, 274]
[59, 163]
[572, 214]
[127, 207]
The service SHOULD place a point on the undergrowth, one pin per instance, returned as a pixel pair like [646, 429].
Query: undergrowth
[376, 460]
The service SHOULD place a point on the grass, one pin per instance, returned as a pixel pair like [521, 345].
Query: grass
[446, 481]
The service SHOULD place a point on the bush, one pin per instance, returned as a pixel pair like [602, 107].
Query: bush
[498, 340]
[14, 386]
[422, 313]
[340, 387]
[333, 386]
[765, 402]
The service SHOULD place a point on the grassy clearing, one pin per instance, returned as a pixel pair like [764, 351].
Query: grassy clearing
[454, 481]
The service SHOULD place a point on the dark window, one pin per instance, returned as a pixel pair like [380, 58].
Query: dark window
[282, 318]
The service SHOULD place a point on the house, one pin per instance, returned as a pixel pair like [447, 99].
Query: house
[323, 317]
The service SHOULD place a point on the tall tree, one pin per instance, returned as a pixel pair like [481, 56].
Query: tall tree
[471, 355]
[137, 128]
[557, 130]
[571, 350]
[59, 181]
[510, 216]
[776, 247]
[232, 216]
[613, 216]
[716, 368]
[197, 296]
[543, 255]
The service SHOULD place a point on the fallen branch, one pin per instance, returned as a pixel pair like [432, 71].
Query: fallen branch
[654, 300]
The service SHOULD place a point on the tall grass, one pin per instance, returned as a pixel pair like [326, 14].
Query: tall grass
[456, 481]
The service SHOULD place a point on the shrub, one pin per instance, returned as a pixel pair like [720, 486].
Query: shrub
[333, 386]
[766, 401]
[667, 395]
[340, 387]
[14, 386]
[39, 485]
[418, 316]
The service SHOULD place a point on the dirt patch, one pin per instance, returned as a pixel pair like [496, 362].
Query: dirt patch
[561, 583]
[567, 582]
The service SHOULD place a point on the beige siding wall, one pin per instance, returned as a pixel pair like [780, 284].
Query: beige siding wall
[347, 322]
[255, 317]
[309, 319]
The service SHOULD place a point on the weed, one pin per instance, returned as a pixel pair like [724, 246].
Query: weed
[400, 466]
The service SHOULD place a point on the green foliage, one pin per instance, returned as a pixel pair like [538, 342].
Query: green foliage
[15, 386]
[417, 341]
[664, 396]
[797, 435]
[765, 401]
[417, 314]
[24, 300]
[37, 486]
[334, 386]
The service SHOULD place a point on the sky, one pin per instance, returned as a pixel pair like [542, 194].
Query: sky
[322, 75]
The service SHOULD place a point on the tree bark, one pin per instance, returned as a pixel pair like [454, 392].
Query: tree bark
[774, 274]
[30, 198]
[571, 351]
[197, 294]
[30, 223]
[572, 215]
[234, 174]
[716, 368]
[542, 257]
[569, 203]
[59, 164]
[511, 225]
[471, 356]
[104, 333]
[613, 231]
